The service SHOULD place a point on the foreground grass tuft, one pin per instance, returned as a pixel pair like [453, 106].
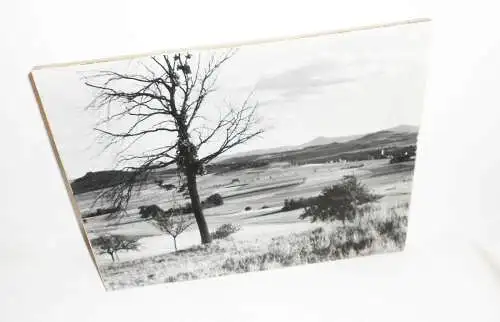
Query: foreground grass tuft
[364, 237]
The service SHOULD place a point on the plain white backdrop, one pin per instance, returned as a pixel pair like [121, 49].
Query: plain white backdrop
[450, 270]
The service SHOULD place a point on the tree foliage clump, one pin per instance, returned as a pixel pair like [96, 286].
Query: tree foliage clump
[339, 201]
[293, 204]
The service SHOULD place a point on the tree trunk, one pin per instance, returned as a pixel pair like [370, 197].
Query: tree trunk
[175, 243]
[112, 256]
[196, 205]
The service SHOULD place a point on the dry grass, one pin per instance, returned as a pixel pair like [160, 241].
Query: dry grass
[377, 230]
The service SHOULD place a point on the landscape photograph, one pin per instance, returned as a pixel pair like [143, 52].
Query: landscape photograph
[202, 163]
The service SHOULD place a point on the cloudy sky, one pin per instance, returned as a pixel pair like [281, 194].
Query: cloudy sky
[339, 84]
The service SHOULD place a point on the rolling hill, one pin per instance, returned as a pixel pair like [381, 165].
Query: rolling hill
[97, 180]
[321, 149]
[327, 149]
[321, 140]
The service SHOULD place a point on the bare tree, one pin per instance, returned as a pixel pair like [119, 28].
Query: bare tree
[111, 244]
[173, 222]
[166, 98]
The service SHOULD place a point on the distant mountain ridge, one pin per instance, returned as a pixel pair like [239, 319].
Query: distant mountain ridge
[355, 147]
[98, 180]
[321, 140]
[404, 129]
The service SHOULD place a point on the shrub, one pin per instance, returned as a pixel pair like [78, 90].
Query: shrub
[293, 204]
[214, 200]
[225, 230]
[400, 158]
[339, 202]
[247, 208]
[264, 207]
[150, 211]
[402, 154]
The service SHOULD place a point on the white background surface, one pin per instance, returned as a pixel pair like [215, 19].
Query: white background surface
[451, 268]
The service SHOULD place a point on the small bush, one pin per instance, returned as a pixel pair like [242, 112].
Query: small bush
[247, 208]
[150, 211]
[264, 207]
[400, 158]
[214, 200]
[225, 230]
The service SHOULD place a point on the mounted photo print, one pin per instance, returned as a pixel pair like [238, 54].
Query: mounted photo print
[206, 162]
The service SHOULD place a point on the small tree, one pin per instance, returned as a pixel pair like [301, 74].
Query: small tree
[111, 244]
[173, 222]
[340, 201]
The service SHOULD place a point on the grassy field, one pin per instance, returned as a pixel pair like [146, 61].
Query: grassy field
[241, 253]
[257, 188]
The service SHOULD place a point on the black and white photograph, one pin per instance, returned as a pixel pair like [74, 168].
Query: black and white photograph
[203, 163]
